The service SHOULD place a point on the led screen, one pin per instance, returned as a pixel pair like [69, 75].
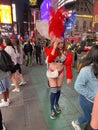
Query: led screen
[5, 14]
[33, 2]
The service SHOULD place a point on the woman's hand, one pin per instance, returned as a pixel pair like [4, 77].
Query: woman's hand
[68, 81]
[54, 47]
[55, 44]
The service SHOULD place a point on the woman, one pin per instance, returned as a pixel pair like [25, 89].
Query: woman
[9, 48]
[58, 57]
[4, 85]
[19, 61]
[87, 85]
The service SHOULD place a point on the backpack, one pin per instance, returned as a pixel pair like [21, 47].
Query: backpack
[6, 63]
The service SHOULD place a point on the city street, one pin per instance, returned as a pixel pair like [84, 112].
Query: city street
[29, 109]
[39, 30]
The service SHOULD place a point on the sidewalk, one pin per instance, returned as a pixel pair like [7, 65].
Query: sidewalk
[29, 109]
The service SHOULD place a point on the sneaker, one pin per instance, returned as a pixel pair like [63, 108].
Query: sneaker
[12, 85]
[53, 115]
[8, 100]
[57, 108]
[22, 83]
[76, 125]
[16, 90]
[4, 128]
[4, 104]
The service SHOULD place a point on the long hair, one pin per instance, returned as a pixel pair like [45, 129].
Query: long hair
[9, 43]
[92, 58]
[17, 45]
[1, 40]
[64, 49]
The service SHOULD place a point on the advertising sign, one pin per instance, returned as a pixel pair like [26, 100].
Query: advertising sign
[6, 29]
[33, 2]
[5, 14]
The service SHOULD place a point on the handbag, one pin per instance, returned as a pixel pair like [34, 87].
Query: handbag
[52, 74]
[6, 62]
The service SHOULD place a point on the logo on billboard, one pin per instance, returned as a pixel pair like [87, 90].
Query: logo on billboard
[33, 2]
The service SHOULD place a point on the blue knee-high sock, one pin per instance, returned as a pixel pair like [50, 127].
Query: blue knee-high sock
[52, 100]
[57, 97]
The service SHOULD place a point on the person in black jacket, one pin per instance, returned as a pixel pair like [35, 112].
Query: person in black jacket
[28, 53]
[38, 50]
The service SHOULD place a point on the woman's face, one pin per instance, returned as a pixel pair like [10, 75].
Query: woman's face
[4, 43]
[60, 45]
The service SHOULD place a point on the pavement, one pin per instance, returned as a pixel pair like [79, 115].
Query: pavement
[29, 109]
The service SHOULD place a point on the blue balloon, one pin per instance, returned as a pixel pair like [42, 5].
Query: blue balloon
[70, 22]
[15, 36]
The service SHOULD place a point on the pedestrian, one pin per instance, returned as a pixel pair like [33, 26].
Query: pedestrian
[2, 126]
[38, 52]
[4, 86]
[19, 50]
[28, 53]
[86, 85]
[10, 49]
[58, 58]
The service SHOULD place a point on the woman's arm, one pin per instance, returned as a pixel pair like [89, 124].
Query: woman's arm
[81, 81]
[51, 53]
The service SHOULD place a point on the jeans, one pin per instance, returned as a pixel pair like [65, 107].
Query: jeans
[1, 128]
[28, 59]
[38, 58]
[86, 107]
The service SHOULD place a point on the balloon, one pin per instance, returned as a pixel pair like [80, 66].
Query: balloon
[45, 9]
[42, 28]
[15, 36]
[70, 22]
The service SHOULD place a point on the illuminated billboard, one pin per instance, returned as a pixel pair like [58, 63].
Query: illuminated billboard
[5, 14]
[14, 12]
[64, 2]
[33, 2]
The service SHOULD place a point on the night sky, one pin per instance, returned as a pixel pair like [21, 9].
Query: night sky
[39, 2]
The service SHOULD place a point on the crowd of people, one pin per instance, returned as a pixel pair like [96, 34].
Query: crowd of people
[60, 58]
[20, 52]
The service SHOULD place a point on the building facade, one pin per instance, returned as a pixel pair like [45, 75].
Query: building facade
[95, 16]
[84, 9]
[84, 20]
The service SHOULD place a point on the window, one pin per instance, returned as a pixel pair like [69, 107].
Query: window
[84, 26]
[90, 24]
[77, 25]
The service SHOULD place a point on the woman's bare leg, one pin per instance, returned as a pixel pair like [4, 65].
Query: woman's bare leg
[13, 78]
